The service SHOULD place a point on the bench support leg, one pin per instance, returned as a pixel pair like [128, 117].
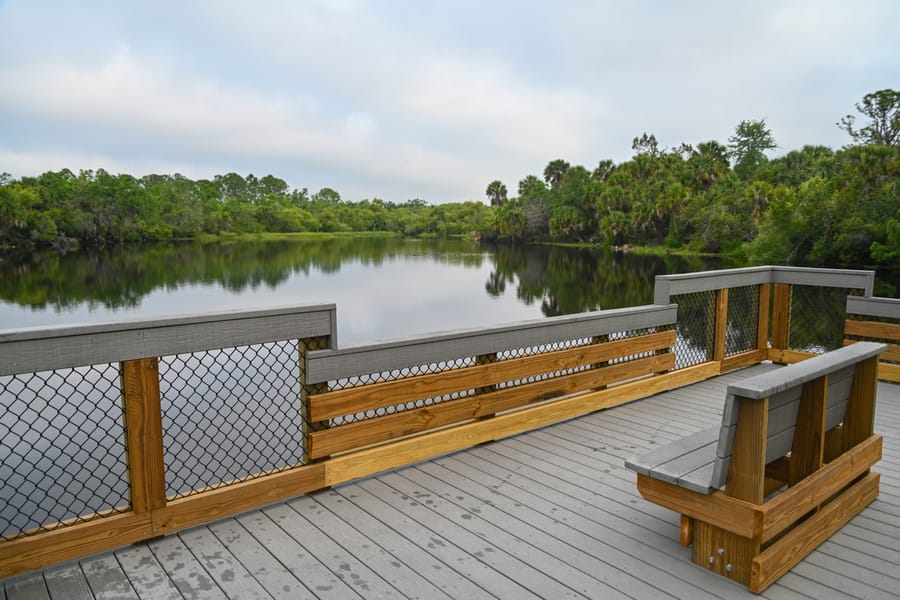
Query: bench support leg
[687, 531]
[723, 552]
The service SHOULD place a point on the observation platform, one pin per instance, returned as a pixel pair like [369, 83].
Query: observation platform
[550, 513]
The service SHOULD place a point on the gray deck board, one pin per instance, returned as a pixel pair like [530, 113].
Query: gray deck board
[29, 586]
[106, 578]
[228, 573]
[185, 572]
[278, 581]
[149, 579]
[357, 575]
[406, 581]
[550, 513]
[67, 581]
[303, 565]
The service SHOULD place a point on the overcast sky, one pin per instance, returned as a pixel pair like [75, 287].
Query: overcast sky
[400, 99]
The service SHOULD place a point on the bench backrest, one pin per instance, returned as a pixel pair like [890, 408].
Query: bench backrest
[784, 388]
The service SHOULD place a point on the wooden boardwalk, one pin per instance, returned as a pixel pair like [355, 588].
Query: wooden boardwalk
[547, 514]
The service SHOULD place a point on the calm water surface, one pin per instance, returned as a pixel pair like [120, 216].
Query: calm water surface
[384, 288]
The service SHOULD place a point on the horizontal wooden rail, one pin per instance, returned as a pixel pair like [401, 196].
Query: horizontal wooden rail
[885, 310]
[361, 398]
[330, 365]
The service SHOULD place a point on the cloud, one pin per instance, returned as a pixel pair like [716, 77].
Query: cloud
[406, 99]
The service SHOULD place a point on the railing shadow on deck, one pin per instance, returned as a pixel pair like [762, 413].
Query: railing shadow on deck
[116, 433]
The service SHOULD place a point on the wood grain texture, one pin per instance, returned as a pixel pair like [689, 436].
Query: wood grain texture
[65, 543]
[781, 312]
[808, 449]
[725, 512]
[872, 329]
[143, 430]
[763, 317]
[781, 556]
[238, 497]
[366, 462]
[747, 473]
[782, 511]
[744, 359]
[859, 417]
[331, 365]
[387, 427]
[721, 325]
[357, 399]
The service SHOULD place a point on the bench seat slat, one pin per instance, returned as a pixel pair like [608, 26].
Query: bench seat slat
[700, 480]
[677, 468]
[646, 463]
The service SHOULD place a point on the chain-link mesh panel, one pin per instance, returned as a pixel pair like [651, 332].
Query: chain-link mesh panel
[695, 327]
[451, 365]
[817, 317]
[743, 319]
[230, 415]
[62, 448]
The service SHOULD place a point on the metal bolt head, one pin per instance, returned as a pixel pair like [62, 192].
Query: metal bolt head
[729, 567]
[712, 560]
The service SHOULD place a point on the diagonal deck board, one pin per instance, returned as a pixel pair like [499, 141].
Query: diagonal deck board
[550, 513]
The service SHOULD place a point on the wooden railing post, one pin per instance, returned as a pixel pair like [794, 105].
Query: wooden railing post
[762, 328]
[143, 434]
[859, 417]
[306, 390]
[781, 316]
[721, 326]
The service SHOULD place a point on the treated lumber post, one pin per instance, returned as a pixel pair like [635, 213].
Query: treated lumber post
[859, 418]
[143, 434]
[781, 316]
[306, 390]
[722, 551]
[721, 327]
[600, 339]
[808, 450]
[762, 328]
[486, 359]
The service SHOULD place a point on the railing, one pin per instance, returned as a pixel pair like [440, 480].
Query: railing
[739, 317]
[112, 434]
[877, 320]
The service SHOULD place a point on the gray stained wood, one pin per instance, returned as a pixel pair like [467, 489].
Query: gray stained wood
[551, 513]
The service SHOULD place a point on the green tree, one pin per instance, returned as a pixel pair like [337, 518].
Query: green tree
[496, 192]
[555, 171]
[883, 110]
[748, 144]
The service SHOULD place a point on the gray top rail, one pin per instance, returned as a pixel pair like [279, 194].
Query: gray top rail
[887, 308]
[667, 286]
[328, 365]
[44, 349]
[767, 384]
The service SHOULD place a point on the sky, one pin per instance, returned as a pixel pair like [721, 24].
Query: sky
[404, 99]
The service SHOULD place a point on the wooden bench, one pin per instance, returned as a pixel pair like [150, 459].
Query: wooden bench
[788, 466]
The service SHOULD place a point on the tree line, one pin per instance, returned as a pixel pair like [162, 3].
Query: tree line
[812, 206]
[62, 209]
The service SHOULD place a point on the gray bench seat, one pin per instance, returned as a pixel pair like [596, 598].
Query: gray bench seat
[687, 462]
[700, 461]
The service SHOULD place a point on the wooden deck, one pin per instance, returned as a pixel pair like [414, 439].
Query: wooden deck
[547, 514]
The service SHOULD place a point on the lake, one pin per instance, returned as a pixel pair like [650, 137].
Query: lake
[384, 288]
